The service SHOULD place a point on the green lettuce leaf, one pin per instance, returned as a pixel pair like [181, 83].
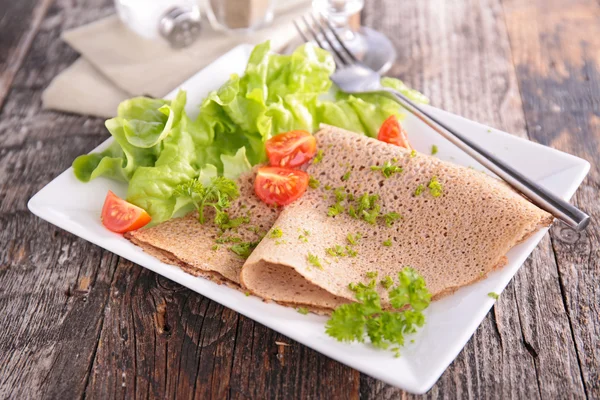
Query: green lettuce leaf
[157, 146]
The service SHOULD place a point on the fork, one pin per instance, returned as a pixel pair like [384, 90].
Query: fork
[351, 76]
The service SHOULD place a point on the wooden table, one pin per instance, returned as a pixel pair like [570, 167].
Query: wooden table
[79, 321]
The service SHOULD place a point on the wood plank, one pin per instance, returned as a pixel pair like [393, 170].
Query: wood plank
[19, 23]
[459, 54]
[556, 49]
[53, 286]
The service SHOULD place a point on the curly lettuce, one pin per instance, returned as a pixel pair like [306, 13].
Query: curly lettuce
[157, 146]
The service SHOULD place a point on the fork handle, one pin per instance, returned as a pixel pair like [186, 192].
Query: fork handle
[569, 214]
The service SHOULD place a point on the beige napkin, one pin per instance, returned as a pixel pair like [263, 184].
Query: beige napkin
[116, 64]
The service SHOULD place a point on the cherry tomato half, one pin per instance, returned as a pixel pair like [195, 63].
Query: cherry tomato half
[120, 216]
[291, 149]
[280, 186]
[392, 132]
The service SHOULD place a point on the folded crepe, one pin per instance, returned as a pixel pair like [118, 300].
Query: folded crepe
[203, 249]
[452, 239]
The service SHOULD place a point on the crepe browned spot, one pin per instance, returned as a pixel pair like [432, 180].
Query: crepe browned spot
[192, 246]
[452, 240]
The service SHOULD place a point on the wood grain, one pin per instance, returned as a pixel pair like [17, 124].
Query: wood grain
[81, 322]
[556, 51]
[19, 24]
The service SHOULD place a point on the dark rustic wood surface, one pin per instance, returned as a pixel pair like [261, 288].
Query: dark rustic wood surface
[78, 321]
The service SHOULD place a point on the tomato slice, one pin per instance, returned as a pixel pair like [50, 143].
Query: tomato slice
[120, 216]
[291, 149]
[280, 186]
[392, 132]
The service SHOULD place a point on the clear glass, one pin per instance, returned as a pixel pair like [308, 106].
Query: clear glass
[372, 48]
[239, 15]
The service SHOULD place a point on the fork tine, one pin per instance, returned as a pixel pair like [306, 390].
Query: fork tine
[315, 36]
[340, 41]
[300, 32]
[332, 46]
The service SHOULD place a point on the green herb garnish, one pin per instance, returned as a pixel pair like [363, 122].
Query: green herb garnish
[275, 233]
[366, 317]
[419, 190]
[387, 243]
[387, 282]
[346, 176]
[335, 209]
[434, 150]
[371, 274]
[340, 194]
[319, 157]
[387, 169]
[327, 187]
[493, 295]
[353, 239]
[228, 239]
[391, 217]
[217, 194]
[435, 187]
[215, 247]
[302, 310]
[314, 260]
[243, 249]
[413, 153]
[303, 237]
[313, 183]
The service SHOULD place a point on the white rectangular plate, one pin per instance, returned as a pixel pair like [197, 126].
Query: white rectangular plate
[75, 207]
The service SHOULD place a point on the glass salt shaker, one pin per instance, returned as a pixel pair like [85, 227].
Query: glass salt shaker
[176, 21]
[239, 16]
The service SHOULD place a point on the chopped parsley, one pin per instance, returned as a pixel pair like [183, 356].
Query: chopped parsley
[335, 209]
[247, 294]
[419, 190]
[275, 233]
[493, 295]
[353, 239]
[387, 282]
[387, 243]
[434, 150]
[327, 187]
[346, 176]
[314, 260]
[303, 237]
[391, 217]
[218, 194]
[280, 241]
[215, 247]
[340, 194]
[302, 310]
[319, 157]
[229, 239]
[366, 318]
[351, 252]
[336, 251]
[435, 187]
[387, 169]
[413, 153]
[243, 249]
[372, 274]
[313, 183]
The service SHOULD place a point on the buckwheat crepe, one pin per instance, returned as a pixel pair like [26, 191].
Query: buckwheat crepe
[452, 240]
[192, 246]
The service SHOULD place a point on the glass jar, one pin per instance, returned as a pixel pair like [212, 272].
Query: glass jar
[239, 15]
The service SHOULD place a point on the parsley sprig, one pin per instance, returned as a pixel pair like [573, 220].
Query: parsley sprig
[366, 317]
[218, 194]
[387, 169]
